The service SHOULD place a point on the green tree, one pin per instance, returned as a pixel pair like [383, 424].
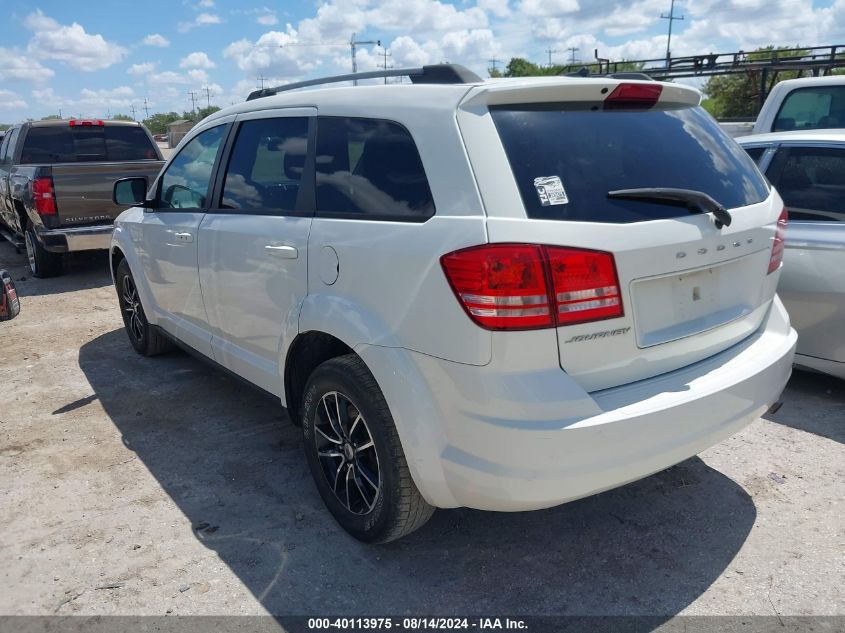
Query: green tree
[51, 117]
[519, 67]
[204, 112]
[157, 123]
[122, 117]
[738, 95]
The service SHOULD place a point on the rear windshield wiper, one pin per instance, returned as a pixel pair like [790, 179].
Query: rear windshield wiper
[694, 201]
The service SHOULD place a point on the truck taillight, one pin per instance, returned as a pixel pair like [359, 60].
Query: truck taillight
[628, 96]
[530, 286]
[777, 243]
[85, 122]
[44, 196]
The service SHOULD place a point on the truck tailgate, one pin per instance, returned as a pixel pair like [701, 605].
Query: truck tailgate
[84, 190]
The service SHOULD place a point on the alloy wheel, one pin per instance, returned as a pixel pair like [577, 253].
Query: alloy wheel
[346, 453]
[132, 308]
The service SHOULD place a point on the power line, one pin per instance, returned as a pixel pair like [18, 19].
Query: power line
[671, 17]
[550, 51]
[193, 101]
[493, 67]
[572, 50]
[132, 109]
[207, 91]
[146, 108]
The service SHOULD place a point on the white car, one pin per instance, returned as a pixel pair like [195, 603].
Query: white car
[501, 295]
[808, 170]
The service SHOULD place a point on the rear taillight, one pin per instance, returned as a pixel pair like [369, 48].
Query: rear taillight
[777, 243]
[585, 284]
[633, 97]
[85, 122]
[528, 286]
[44, 196]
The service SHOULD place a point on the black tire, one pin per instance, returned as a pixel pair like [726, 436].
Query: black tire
[372, 515]
[145, 338]
[42, 263]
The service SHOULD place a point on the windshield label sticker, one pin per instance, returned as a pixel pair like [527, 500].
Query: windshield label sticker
[550, 191]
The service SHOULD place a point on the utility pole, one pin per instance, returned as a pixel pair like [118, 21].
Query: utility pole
[207, 91]
[572, 50]
[193, 101]
[146, 109]
[671, 17]
[131, 109]
[261, 79]
[354, 44]
[493, 67]
[550, 51]
[385, 54]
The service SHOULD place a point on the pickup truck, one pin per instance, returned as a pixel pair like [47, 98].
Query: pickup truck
[56, 183]
[811, 103]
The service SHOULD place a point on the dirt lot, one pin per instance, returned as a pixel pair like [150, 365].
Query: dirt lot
[153, 486]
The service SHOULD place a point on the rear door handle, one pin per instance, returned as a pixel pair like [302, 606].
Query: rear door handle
[282, 250]
[184, 237]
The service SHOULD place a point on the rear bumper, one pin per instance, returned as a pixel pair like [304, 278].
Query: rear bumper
[77, 238]
[502, 439]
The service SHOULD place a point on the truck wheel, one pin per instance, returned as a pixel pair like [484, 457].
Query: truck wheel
[146, 339]
[42, 263]
[355, 455]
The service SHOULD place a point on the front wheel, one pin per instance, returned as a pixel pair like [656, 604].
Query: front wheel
[147, 340]
[355, 455]
[42, 262]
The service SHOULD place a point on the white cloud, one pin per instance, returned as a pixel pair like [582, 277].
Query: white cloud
[205, 4]
[11, 100]
[267, 19]
[197, 59]
[499, 8]
[203, 19]
[548, 8]
[141, 69]
[70, 44]
[18, 66]
[154, 39]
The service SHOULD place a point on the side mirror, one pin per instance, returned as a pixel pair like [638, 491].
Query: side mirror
[130, 192]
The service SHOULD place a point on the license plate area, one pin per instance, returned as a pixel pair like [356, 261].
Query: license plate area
[674, 306]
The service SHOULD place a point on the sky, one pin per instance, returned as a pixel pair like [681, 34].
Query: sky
[97, 59]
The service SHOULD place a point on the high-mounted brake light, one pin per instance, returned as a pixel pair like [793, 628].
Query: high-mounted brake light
[84, 122]
[44, 196]
[529, 286]
[777, 243]
[628, 96]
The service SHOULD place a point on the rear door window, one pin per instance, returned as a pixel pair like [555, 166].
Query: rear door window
[811, 181]
[266, 164]
[566, 158]
[86, 143]
[370, 169]
[812, 108]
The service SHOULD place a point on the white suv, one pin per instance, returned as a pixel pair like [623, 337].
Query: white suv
[503, 295]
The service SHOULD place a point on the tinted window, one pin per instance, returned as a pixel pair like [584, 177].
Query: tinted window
[370, 168]
[3, 146]
[81, 143]
[566, 161]
[12, 137]
[811, 181]
[812, 108]
[266, 164]
[756, 153]
[185, 183]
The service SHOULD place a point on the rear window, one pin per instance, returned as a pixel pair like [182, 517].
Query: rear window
[567, 158]
[101, 143]
[811, 109]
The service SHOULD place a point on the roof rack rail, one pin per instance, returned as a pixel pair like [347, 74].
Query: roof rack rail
[585, 72]
[434, 74]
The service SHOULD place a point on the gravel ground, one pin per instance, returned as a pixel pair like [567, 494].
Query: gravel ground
[152, 486]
